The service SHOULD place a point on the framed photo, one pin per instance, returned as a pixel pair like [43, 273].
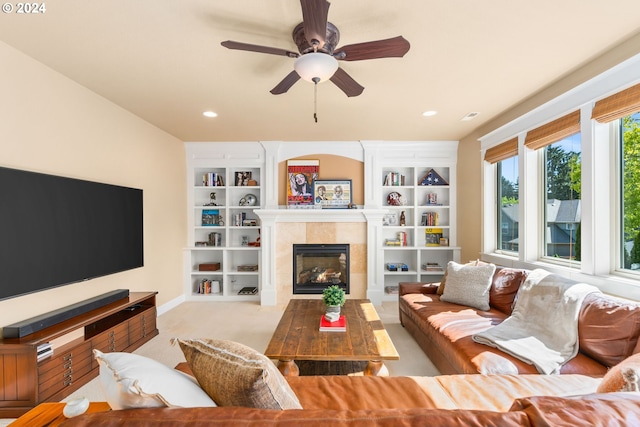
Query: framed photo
[332, 194]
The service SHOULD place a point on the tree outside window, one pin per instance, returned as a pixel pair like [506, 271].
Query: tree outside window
[508, 201]
[630, 136]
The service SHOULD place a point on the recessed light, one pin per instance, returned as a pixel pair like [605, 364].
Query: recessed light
[470, 116]
[429, 113]
[210, 114]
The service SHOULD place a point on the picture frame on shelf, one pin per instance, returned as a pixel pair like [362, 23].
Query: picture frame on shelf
[390, 219]
[332, 194]
[242, 178]
[301, 175]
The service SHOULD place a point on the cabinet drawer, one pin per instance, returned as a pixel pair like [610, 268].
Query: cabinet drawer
[140, 326]
[115, 339]
[56, 380]
[65, 363]
[62, 371]
[64, 359]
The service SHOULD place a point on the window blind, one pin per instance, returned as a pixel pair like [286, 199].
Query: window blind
[617, 106]
[502, 151]
[553, 131]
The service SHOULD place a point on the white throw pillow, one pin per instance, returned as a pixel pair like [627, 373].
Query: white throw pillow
[134, 381]
[468, 285]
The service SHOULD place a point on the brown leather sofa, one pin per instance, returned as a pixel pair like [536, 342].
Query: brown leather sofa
[608, 329]
[448, 400]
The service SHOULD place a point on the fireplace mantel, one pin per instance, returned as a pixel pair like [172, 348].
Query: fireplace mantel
[269, 217]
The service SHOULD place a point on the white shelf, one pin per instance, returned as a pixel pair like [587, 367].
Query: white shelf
[230, 251]
[416, 199]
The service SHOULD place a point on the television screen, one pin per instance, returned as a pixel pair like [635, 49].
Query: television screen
[56, 231]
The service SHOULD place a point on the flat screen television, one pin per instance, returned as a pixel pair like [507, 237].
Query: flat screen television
[56, 231]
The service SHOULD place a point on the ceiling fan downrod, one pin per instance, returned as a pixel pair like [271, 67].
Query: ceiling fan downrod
[315, 98]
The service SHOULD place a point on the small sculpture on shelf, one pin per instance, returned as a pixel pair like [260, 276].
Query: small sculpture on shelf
[212, 196]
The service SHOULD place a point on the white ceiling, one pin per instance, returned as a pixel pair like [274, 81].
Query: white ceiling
[162, 60]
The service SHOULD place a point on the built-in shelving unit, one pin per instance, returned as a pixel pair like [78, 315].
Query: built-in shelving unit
[417, 187]
[224, 188]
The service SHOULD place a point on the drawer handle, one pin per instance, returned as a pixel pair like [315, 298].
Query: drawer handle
[68, 373]
[67, 357]
[68, 382]
[67, 365]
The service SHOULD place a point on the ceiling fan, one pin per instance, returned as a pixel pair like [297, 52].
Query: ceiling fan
[316, 59]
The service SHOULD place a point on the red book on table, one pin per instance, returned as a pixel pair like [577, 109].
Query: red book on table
[339, 325]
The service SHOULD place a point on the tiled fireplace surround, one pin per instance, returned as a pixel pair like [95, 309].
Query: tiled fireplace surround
[282, 228]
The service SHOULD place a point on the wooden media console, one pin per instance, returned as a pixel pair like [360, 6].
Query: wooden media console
[25, 382]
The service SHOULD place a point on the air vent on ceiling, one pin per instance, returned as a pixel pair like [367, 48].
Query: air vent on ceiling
[470, 116]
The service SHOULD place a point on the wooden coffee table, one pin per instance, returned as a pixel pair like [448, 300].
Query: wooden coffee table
[297, 337]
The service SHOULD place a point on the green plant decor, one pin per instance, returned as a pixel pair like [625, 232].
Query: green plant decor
[334, 295]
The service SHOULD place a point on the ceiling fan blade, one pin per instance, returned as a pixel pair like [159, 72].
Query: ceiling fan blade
[346, 83]
[315, 14]
[286, 83]
[229, 44]
[389, 48]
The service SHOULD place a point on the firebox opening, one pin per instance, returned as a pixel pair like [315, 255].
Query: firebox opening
[316, 266]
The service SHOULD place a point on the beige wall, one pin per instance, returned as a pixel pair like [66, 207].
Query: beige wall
[470, 162]
[51, 124]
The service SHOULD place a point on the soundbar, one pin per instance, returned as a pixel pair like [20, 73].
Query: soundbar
[35, 324]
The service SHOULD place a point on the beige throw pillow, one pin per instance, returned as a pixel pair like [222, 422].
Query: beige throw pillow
[443, 282]
[468, 285]
[233, 374]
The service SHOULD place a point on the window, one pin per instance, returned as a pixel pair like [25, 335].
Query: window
[630, 197]
[507, 206]
[562, 199]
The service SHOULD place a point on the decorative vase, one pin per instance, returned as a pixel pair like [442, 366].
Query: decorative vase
[332, 313]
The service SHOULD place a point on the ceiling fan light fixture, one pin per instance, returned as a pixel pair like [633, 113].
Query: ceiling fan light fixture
[315, 66]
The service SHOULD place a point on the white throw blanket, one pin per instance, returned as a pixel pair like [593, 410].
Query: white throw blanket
[543, 328]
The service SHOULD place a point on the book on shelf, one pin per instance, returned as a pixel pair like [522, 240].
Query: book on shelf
[301, 175]
[339, 325]
[429, 219]
[248, 290]
[402, 237]
[210, 217]
[432, 266]
[212, 179]
[432, 236]
[393, 179]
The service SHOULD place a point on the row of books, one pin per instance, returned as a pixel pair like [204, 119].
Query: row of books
[429, 219]
[212, 179]
[208, 286]
[393, 179]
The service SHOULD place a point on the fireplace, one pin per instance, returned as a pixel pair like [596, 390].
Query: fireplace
[316, 266]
